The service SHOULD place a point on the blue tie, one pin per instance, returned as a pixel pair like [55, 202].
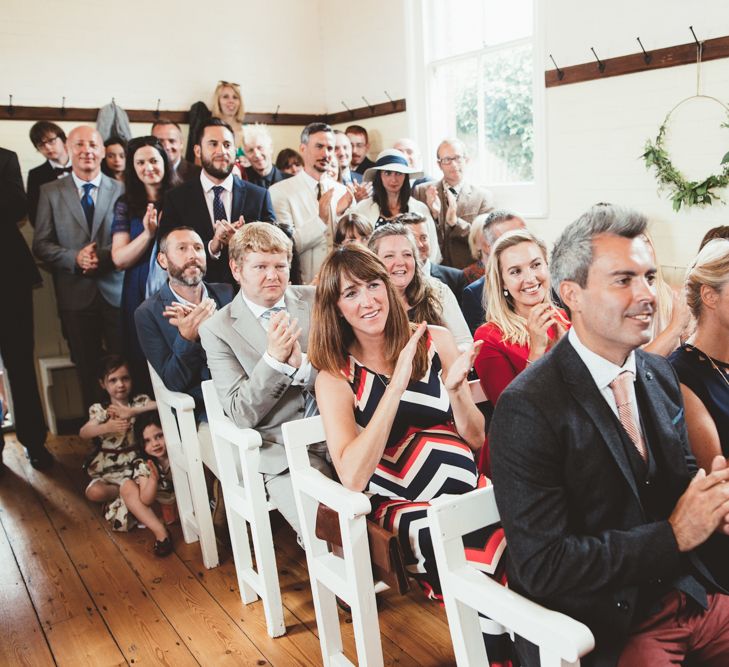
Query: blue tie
[87, 204]
[218, 208]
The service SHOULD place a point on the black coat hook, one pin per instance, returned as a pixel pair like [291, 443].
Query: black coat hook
[10, 108]
[63, 107]
[698, 43]
[372, 109]
[394, 104]
[600, 64]
[647, 57]
[275, 113]
[351, 113]
[560, 73]
[156, 111]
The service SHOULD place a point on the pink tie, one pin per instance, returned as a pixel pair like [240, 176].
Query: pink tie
[622, 397]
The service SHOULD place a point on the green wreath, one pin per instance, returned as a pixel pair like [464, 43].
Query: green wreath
[682, 191]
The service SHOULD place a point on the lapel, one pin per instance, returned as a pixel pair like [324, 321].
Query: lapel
[199, 212]
[101, 206]
[69, 194]
[247, 326]
[586, 394]
[239, 200]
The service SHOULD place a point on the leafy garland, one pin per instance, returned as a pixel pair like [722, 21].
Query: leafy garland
[683, 191]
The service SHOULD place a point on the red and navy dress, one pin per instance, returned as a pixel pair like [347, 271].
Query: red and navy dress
[425, 458]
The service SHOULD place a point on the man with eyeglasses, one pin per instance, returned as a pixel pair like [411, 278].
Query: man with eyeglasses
[50, 141]
[454, 203]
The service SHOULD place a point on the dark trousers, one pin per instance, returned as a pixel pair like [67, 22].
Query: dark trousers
[16, 348]
[92, 333]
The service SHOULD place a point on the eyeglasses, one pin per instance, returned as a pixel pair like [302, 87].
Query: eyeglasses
[46, 142]
[228, 83]
[458, 159]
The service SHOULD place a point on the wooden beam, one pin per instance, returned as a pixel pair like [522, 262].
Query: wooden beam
[682, 54]
[88, 115]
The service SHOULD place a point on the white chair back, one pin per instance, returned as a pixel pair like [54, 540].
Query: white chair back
[237, 451]
[561, 640]
[177, 415]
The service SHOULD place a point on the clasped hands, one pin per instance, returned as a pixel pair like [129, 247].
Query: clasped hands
[434, 204]
[87, 259]
[188, 318]
[283, 339]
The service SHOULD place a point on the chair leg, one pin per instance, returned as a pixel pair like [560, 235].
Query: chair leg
[238, 529]
[327, 622]
[201, 506]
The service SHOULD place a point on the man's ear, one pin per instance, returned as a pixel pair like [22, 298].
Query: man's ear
[234, 269]
[196, 149]
[571, 294]
[162, 260]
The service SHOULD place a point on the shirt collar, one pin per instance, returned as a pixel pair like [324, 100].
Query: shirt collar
[58, 165]
[79, 183]
[177, 164]
[259, 310]
[603, 371]
[185, 301]
[208, 185]
[311, 181]
[426, 267]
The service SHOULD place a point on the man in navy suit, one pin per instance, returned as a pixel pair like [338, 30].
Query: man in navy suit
[606, 517]
[217, 203]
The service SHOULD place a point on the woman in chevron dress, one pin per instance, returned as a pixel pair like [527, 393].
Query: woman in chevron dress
[399, 418]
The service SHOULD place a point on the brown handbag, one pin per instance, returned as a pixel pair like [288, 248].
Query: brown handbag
[388, 564]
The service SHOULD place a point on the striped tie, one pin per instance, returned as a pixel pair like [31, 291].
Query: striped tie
[620, 387]
[266, 316]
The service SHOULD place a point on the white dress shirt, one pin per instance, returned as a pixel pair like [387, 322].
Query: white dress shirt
[603, 372]
[96, 182]
[300, 375]
[226, 195]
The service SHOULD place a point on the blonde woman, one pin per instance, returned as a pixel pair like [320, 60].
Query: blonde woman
[522, 323]
[702, 364]
[479, 250]
[228, 106]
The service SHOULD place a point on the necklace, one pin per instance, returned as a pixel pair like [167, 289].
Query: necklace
[712, 362]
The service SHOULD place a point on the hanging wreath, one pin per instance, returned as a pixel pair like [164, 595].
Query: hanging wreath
[682, 191]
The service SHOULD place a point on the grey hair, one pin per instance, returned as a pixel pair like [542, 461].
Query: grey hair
[257, 132]
[494, 218]
[314, 128]
[572, 253]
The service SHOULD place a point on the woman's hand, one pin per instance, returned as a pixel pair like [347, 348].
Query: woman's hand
[461, 367]
[150, 220]
[680, 314]
[404, 367]
[538, 323]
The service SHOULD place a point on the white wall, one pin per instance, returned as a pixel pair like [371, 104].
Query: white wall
[596, 130]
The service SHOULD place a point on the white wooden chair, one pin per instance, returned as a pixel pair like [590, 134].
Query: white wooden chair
[561, 640]
[237, 451]
[348, 577]
[187, 456]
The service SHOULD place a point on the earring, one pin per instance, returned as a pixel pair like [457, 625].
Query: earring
[506, 292]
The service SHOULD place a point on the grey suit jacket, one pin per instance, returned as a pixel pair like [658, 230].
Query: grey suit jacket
[472, 201]
[61, 231]
[253, 394]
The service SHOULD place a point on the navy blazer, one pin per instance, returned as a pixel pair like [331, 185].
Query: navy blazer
[471, 304]
[579, 539]
[185, 206]
[180, 363]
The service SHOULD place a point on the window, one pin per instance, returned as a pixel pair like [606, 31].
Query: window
[484, 82]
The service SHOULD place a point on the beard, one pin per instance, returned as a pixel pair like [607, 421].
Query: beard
[211, 169]
[177, 273]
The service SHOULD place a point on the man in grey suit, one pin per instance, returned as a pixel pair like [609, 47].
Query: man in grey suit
[605, 514]
[256, 351]
[73, 236]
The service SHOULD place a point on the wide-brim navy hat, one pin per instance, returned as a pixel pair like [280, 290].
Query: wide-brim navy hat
[390, 160]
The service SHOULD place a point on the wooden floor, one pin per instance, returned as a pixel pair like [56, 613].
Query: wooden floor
[72, 592]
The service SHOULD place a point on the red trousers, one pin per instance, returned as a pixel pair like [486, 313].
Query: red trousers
[678, 631]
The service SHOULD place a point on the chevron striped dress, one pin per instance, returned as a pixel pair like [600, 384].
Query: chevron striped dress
[425, 458]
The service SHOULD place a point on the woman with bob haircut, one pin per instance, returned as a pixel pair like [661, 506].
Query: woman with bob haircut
[394, 395]
[426, 299]
[702, 364]
[352, 228]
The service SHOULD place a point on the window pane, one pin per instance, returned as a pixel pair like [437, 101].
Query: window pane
[469, 25]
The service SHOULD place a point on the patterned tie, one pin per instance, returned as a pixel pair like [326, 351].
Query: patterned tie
[218, 208]
[87, 204]
[620, 387]
[266, 316]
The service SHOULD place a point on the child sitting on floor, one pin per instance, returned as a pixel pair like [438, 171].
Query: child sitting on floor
[110, 425]
[150, 481]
